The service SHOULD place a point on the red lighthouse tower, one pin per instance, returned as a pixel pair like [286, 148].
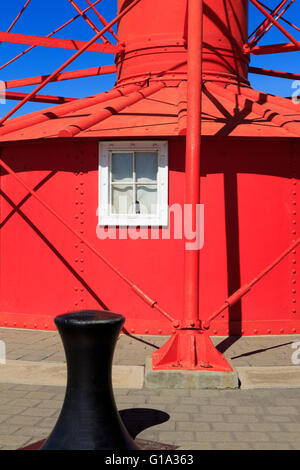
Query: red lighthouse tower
[171, 198]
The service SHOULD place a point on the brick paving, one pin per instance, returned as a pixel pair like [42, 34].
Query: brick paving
[258, 351]
[253, 419]
[190, 420]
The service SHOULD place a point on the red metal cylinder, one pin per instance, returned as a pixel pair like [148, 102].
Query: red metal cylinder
[155, 38]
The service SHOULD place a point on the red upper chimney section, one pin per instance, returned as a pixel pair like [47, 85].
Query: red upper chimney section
[155, 36]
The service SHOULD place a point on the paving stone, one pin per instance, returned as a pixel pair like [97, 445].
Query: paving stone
[3, 418]
[277, 419]
[23, 420]
[6, 428]
[23, 387]
[249, 410]
[284, 410]
[196, 446]
[237, 418]
[41, 395]
[285, 437]
[55, 403]
[198, 419]
[11, 410]
[5, 387]
[292, 427]
[158, 399]
[184, 408]
[38, 412]
[11, 395]
[251, 436]
[173, 437]
[264, 427]
[214, 436]
[210, 418]
[13, 442]
[33, 431]
[229, 427]
[215, 409]
[272, 446]
[28, 402]
[177, 392]
[48, 422]
[192, 426]
[232, 446]
[167, 426]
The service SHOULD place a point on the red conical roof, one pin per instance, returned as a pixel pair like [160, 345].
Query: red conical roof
[160, 110]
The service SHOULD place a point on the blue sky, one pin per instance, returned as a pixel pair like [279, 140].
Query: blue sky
[44, 16]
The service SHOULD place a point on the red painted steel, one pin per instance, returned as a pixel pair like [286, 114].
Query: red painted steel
[148, 300]
[18, 15]
[274, 21]
[274, 73]
[249, 176]
[122, 103]
[283, 19]
[102, 20]
[92, 72]
[84, 16]
[48, 36]
[189, 347]
[16, 96]
[267, 24]
[261, 28]
[159, 47]
[59, 43]
[274, 48]
[37, 118]
[260, 109]
[86, 46]
[246, 288]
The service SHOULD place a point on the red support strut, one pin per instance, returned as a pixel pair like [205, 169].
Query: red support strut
[190, 347]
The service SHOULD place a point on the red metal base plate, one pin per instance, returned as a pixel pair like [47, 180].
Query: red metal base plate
[190, 350]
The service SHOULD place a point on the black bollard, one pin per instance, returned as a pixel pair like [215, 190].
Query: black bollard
[89, 419]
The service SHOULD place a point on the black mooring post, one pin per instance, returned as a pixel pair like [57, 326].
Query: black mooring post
[89, 419]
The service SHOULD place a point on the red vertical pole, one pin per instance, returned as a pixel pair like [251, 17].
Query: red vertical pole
[193, 144]
[189, 347]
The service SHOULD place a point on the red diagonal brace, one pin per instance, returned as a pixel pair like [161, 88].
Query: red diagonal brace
[16, 96]
[48, 36]
[56, 42]
[146, 298]
[69, 61]
[92, 72]
[102, 20]
[19, 15]
[274, 21]
[266, 25]
[247, 287]
[22, 122]
[274, 48]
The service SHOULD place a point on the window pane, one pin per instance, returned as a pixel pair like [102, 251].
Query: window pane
[122, 167]
[146, 202]
[146, 167]
[122, 200]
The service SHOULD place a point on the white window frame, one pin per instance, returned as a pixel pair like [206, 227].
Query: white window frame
[105, 217]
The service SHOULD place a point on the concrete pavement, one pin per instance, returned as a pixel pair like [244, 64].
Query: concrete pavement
[251, 417]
